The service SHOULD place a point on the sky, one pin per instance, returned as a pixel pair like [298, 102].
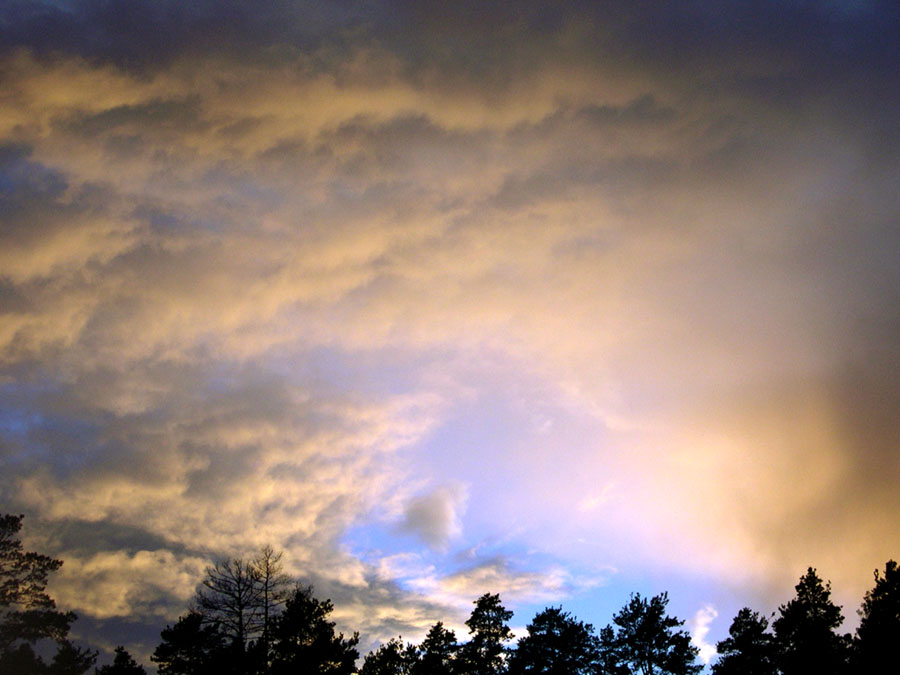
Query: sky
[561, 301]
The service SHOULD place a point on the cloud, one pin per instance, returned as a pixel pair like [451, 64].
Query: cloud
[499, 575]
[436, 517]
[699, 627]
[117, 584]
[253, 450]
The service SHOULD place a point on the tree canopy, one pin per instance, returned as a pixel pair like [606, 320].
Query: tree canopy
[123, 664]
[749, 648]
[878, 635]
[437, 653]
[392, 658]
[191, 647]
[304, 638]
[647, 641]
[806, 631]
[485, 652]
[556, 644]
[28, 615]
[230, 597]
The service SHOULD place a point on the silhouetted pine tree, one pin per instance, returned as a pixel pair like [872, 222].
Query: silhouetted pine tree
[806, 631]
[485, 652]
[556, 644]
[647, 641]
[749, 648]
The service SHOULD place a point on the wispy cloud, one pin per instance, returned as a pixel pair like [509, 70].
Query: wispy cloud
[699, 627]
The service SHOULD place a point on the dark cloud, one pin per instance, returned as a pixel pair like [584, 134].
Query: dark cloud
[153, 117]
[13, 300]
[148, 34]
[107, 634]
[813, 41]
[642, 110]
[25, 185]
[435, 517]
[82, 536]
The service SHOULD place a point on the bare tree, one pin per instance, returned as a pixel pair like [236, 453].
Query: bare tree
[274, 587]
[230, 597]
[243, 597]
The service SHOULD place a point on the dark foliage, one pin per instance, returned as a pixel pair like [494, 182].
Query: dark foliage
[878, 635]
[191, 647]
[749, 648]
[647, 641]
[243, 597]
[304, 640]
[437, 653]
[247, 624]
[273, 586]
[392, 658]
[806, 631]
[556, 644]
[485, 653]
[28, 614]
[71, 660]
[123, 664]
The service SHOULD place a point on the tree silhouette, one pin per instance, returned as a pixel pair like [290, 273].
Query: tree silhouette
[71, 660]
[749, 649]
[273, 586]
[123, 664]
[392, 658]
[243, 598]
[556, 644]
[230, 597]
[805, 631]
[485, 653]
[878, 635]
[28, 614]
[647, 641]
[437, 652]
[304, 640]
[191, 647]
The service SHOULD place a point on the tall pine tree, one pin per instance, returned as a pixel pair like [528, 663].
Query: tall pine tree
[647, 641]
[485, 652]
[806, 631]
[749, 648]
[28, 614]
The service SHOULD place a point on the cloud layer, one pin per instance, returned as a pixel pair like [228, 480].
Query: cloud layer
[570, 290]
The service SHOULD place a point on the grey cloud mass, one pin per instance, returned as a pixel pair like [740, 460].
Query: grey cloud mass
[435, 516]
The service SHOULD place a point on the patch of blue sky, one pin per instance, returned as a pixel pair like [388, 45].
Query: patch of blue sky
[22, 179]
[19, 412]
[510, 450]
[17, 421]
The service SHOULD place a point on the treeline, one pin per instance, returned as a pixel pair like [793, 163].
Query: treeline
[248, 617]
[643, 639]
